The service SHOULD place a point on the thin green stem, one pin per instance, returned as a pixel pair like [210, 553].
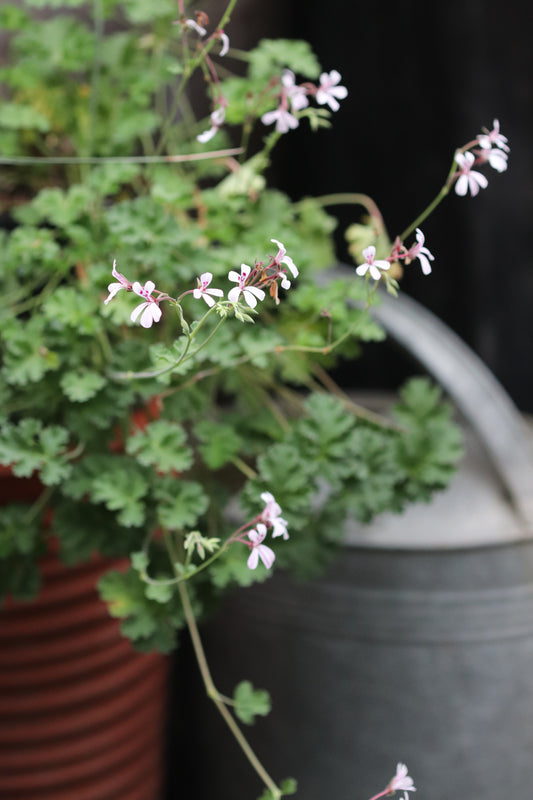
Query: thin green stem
[425, 214]
[39, 504]
[432, 206]
[353, 198]
[217, 699]
[359, 411]
[127, 376]
[244, 468]
[277, 350]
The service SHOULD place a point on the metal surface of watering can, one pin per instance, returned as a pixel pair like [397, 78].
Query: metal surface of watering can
[417, 644]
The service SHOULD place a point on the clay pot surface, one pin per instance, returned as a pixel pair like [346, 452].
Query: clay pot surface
[82, 715]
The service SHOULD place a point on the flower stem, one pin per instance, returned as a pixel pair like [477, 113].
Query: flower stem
[425, 214]
[357, 199]
[384, 793]
[218, 699]
[433, 205]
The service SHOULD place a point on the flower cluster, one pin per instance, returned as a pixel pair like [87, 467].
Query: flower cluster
[294, 98]
[256, 531]
[494, 151]
[376, 268]
[251, 285]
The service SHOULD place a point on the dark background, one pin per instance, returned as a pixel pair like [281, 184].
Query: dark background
[423, 79]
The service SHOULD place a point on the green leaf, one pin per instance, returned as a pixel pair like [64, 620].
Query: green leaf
[179, 503]
[81, 385]
[250, 702]
[84, 528]
[288, 786]
[19, 530]
[67, 307]
[12, 18]
[27, 357]
[271, 56]
[20, 577]
[15, 115]
[431, 446]
[231, 569]
[30, 447]
[121, 488]
[151, 625]
[139, 12]
[160, 593]
[220, 443]
[62, 208]
[162, 445]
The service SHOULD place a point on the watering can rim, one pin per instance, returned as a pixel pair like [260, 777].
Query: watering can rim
[477, 394]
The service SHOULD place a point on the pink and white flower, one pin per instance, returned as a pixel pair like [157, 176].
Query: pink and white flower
[493, 138]
[495, 157]
[401, 780]
[296, 94]
[149, 310]
[259, 550]
[272, 516]
[217, 118]
[283, 118]
[467, 177]
[283, 258]
[329, 92]
[251, 293]
[422, 253]
[202, 290]
[375, 267]
[122, 283]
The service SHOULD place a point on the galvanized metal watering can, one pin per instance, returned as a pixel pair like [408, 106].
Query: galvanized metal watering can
[417, 645]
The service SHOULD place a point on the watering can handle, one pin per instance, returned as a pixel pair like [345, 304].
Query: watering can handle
[474, 389]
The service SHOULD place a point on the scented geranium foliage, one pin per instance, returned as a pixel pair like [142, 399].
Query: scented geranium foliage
[167, 327]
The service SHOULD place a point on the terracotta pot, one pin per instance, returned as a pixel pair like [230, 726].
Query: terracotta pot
[82, 715]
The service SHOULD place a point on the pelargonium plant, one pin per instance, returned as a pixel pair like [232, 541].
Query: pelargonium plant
[166, 344]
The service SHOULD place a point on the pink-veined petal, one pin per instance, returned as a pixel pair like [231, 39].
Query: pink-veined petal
[266, 555]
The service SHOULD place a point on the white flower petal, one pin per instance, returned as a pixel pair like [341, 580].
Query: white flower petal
[234, 294]
[266, 555]
[206, 136]
[137, 310]
[461, 186]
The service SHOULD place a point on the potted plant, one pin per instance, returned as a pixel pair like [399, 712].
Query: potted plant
[166, 337]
